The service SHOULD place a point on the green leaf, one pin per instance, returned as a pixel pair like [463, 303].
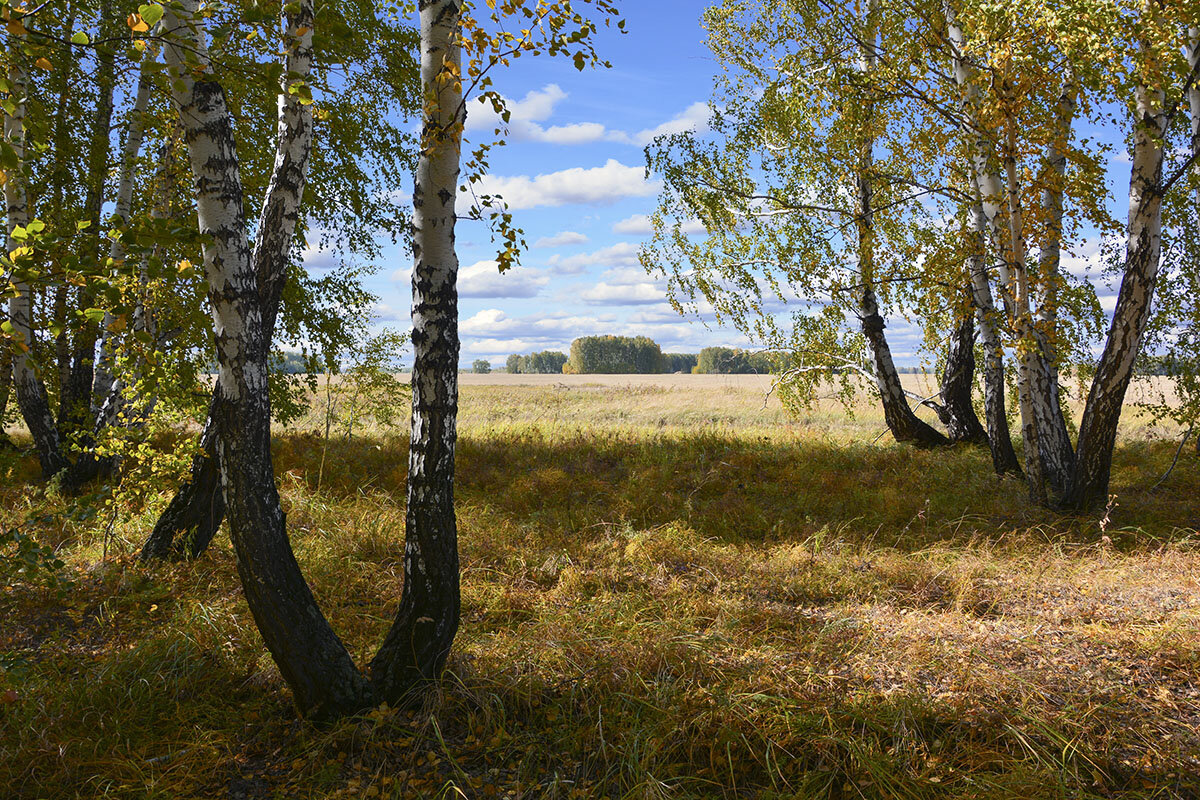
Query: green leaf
[94, 314]
[79, 37]
[151, 13]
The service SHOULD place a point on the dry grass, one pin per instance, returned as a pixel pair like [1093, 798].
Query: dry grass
[669, 590]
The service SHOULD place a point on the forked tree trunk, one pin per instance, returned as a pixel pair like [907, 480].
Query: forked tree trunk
[1098, 431]
[1004, 457]
[27, 383]
[415, 649]
[958, 385]
[310, 657]
[192, 518]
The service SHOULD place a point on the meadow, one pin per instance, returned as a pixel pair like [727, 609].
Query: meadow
[672, 588]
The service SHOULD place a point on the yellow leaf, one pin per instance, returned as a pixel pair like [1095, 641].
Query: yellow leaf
[137, 24]
[16, 27]
[44, 63]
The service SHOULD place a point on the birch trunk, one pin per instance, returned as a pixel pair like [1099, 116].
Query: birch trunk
[1098, 430]
[1004, 458]
[415, 649]
[1030, 374]
[192, 518]
[904, 425]
[1008, 246]
[1058, 453]
[27, 383]
[958, 384]
[311, 659]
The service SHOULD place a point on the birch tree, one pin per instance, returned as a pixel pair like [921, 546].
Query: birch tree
[805, 195]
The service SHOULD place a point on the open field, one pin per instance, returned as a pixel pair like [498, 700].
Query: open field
[671, 589]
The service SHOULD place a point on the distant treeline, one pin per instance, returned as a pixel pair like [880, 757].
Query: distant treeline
[623, 355]
[547, 362]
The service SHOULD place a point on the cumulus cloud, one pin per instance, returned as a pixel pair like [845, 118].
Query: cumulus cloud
[561, 239]
[319, 259]
[527, 115]
[640, 225]
[619, 255]
[578, 185]
[382, 312]
[483, 279]
[693, 118]
[629, 294]
[494, 323]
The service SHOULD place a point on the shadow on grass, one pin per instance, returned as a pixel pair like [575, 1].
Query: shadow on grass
[748, 489]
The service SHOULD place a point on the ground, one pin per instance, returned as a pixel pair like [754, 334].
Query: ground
[671, 588]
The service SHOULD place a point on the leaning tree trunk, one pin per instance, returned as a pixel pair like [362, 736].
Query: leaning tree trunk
[194, 515]
[901, 421]
[958, 384]
[418, 643]
[1004, 457]
[904, 425]
[310, 657]
[1098, 430]
[27, 383]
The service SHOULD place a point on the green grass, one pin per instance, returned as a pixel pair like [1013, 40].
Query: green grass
[666, 593]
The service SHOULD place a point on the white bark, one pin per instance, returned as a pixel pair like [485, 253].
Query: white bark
[219, 203]
[1098, 430]
[415, 648]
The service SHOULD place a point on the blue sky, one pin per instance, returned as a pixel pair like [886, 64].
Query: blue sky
[572, 172]
[573, 175]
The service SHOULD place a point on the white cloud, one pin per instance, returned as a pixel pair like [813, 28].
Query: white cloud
[483, 279]
[661, 313]
[494, 323]
[561, 239]
[694, 117]
[579, 185]
[622, 254]
[637, 225]
[382, 312]
[319, 259]
[640, 225]
[527, 114]
[623, 294]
